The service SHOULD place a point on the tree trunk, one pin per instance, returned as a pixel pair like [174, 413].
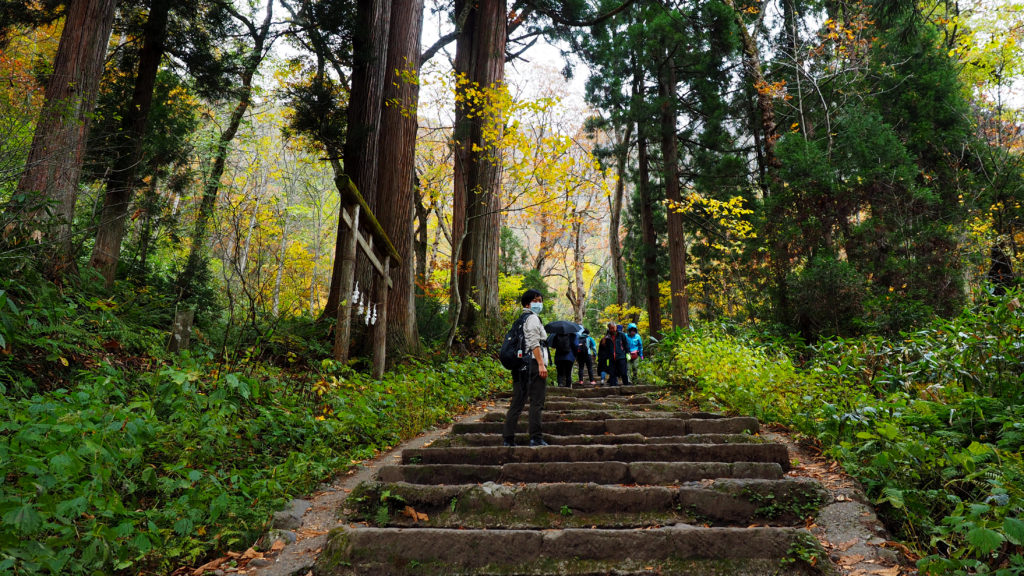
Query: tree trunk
[421, 239]
[476, 217]
[121, 182]
[396, 166]
[676, 236]
[147, 232]
[211, 189]
[50, 182]
[779, 249]
[614, 242]
[282, 252]
[752, 65]
[360, 153]
[650, 238]
[580, 301]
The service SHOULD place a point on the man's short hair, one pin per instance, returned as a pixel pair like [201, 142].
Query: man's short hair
[529, 296]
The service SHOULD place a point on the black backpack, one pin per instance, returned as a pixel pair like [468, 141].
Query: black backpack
[582, 350]
[513, 348]
[563, 343]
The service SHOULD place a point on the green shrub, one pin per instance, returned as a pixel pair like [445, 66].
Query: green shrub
[145, 472]
[930, 423]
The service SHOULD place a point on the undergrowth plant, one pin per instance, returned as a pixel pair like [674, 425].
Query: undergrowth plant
[119, 458]
[931, 423]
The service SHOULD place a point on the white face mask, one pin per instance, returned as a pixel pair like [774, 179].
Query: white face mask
[537, 307]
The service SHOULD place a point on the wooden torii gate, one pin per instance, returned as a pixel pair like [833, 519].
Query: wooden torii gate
[366, 233]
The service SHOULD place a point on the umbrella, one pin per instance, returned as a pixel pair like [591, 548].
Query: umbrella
[562, 327]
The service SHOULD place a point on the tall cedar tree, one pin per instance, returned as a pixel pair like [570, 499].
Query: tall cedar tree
[396, 169]
[362, 142]
[476, 217]
[121, 181]
[47, 192]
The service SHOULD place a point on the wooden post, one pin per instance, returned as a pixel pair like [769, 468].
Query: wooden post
[181, 332]
[380, 329]
[343, 329]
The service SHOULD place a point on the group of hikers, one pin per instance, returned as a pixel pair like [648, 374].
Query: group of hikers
[617, 354]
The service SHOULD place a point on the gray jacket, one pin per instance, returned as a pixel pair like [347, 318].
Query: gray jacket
[535, 335]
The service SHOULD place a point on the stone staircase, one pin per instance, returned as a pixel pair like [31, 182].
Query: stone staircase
[628, 486]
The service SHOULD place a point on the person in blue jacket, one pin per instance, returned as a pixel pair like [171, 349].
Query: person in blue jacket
[636, 347]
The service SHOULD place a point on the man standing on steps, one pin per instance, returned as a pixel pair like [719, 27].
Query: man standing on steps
[532, 381]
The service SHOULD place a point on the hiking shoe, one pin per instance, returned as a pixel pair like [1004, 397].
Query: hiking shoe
[538, 442]
[508, 444]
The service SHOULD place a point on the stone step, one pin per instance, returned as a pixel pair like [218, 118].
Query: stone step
[644, 473]
[585, 440]
[644, 426]
[588, 392]
[786, 502]
[549, 415]
[680, 550]
[606, 403]
[497, 455]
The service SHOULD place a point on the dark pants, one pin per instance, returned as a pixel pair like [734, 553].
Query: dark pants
[588, 363]
[526, 383]
[564, 368]
[617, 369]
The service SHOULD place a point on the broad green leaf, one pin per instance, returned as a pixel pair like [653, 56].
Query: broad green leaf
[24, 518]
[984, 539]
[60, 464]
[888, 431]
[217, 506]
[978, 448]
[1014, 530]
[893, 497]
[183, 527]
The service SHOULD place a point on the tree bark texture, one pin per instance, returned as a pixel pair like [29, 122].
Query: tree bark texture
[579, 301]
[614, 242]
[480, 59]
[647, 212]
[421, 238]
[396, 166]
[121, 182]
[211, 189]
[676, 236]
[779, 264]
[752, 65]
[366, 100]
[50, 181]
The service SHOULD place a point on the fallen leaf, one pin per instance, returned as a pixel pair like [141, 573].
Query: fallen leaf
[894, 571]
[251, 553]
[211, 565]
[416, 516]
[277, 546]
[850, 560]
[846, 545]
